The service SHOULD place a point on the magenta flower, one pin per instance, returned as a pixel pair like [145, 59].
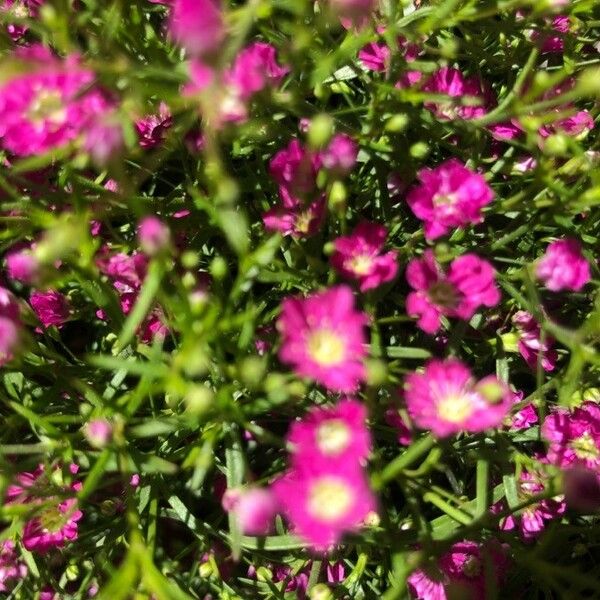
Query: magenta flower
[51, 307]
[445, 399]
[530, 342]
[152, 128]
[197, 25]
[524, 418]
[103, 140]
[339, 157]
[468, 284]
[10, 326]
[254, 69]
[375, 56]
[295, 170]
[22, 266]
[323, 338]
[49, 106]
[302, 208]
[448, 197]
[21, 9]
[98, 432]
[335, 434]
[563, 266]
[154, 235]
[254, 509]
[574, 437]
[555, 41]
[461, 573]
[576, 125]
[11, 568]
[323, 501]
[359, 256]
[452, 83]
[55, 523]
[531, 521]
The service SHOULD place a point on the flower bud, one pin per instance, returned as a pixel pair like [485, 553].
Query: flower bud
[22, 266]
[154, 236]
[98, 433]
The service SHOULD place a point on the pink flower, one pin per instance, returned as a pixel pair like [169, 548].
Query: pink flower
[468, 284]
[254, 509]
[11, 568]
[55, 523]
[530, 342]
[375, 56]
[403, 431]
[445, 399]
[49, 106]
[10, 326]
[358, 256]
[451, 82]
[197, 25]
[295, 170]
[51, 307]
[554, 42]
[524, 418]
[323, 501]
[563, 266]
[461, 573]
[153, 234]
[531, 521]
[104, 140]
[582, 489]
[323, 338]
[22, 266]
[21, 9]
[302, 208]
[335, 434]
[353, 10]
[578, 124]
[254, 69]
[98, 432]
[152, 128]
[574, 437]
[340, 155]
[448, 197]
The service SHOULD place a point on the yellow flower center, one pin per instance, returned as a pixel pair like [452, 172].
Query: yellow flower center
[585, 447]
[52, 520]
[444, 199]
[48, 106]
[329, 499]
[20, 11]
[303, 221]
[472, 567]
[333, 436]
[361, 264]
[326, 347]
[455, 408]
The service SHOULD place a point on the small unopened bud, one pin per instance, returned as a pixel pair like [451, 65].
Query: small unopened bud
[320, 592]
[319, 131]
[254, 509]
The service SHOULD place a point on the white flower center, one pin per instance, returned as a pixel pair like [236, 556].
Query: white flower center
[329, 499]
[361, 264]
[326, 347]
[48, 105]
[333, 436]
[455, 408]
[585, 447]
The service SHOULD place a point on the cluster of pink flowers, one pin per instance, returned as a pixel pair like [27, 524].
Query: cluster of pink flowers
[51, 307]
[54, 523]
[21, 9]
[11, 568]
[325, 492]
[323, 338]
[468, 284]
[295, 169]
[446, 399]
